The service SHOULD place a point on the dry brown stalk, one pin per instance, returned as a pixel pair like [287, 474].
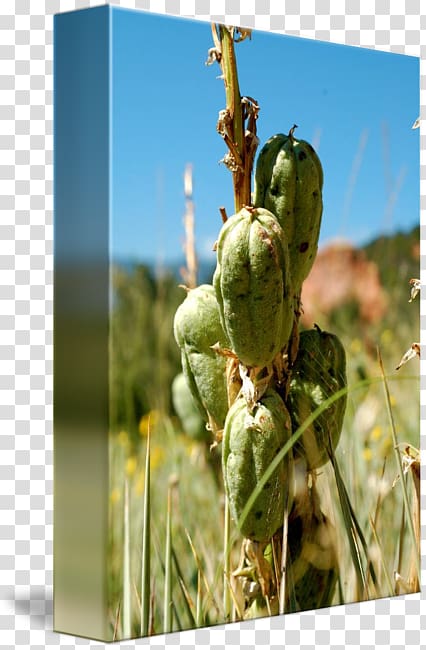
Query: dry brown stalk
[237, 122]
[190, 271]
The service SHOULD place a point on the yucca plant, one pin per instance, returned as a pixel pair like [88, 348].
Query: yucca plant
[287, 389]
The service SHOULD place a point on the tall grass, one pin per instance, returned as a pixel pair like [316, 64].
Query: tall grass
[173, 550]
[363, 498]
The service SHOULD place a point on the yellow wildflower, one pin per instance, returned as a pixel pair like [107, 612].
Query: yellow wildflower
[376, 433]
[386, 446]
[157, 456]
[131, 464]
[367, 454]
[148, 421]
[123, 438]
[115, 495]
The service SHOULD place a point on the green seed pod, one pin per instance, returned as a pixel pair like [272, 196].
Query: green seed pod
[318, 372]
[252, 282]
[186, 408]
[288, 182]
[250, 443]
[275, 180]
[197, 327]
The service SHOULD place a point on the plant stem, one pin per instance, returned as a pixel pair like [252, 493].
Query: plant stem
[400, 468]
[199, 611]
[126, 567]
[146, 543]
[242, 175]
[232, 88]
[168, 602]
[227, 602]
[284, 553]
[189, 272]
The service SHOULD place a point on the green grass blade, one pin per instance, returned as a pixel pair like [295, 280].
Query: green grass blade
[199, 609]
[400, 468]
[283, 585]
[189, 605]
[210, 594]
[356, 525]
[350, 528]
[116, 622]
[136, 594]
[400, 553]
[157, 547]
[168, 598]
[385, 570]
[127, 584]
[363, 543]
[227, 597]
[146, 544]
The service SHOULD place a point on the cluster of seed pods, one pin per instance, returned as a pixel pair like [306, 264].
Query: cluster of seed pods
[254, 376]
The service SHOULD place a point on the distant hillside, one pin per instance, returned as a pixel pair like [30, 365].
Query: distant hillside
[397, 257]
[362, 291]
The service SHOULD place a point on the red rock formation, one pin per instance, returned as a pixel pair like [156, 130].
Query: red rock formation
[342, 274]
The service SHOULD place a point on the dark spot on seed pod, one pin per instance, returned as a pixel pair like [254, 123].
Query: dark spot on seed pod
[315, 194]
[274, 190]
[304, 247]
[302, 155]
[258, 515]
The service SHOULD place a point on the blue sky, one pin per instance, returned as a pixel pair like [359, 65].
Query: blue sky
[356, 106]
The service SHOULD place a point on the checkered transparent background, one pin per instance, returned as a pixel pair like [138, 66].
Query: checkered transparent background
[26, 291]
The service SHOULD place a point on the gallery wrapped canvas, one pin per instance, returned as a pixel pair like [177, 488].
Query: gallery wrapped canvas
[236, 286]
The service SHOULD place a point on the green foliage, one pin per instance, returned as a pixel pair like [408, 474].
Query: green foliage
[144, 356]
[398, 259]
